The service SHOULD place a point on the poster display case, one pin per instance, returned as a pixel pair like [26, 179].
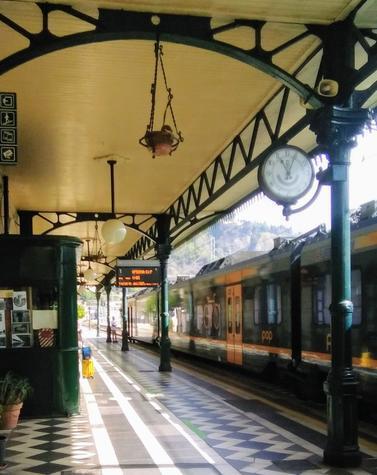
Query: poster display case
[16, 329]
[23, 313]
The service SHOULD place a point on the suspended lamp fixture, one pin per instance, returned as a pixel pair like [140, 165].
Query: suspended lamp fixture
[163, 141]
[81, 287]
[97, 252]
[89, 274]
[113, 231]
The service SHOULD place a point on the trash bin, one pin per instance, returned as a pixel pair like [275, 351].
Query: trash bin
[87, 368]
[87, 362]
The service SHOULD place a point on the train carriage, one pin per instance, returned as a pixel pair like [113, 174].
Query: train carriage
[270, 314]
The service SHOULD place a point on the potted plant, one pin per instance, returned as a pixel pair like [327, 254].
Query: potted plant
[14, 389]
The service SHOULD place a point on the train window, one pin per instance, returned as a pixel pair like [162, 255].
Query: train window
[356, 296]
[319, 304]
[273, 304]
[257, 305]
[238, 313]
[199, 318]
[321, 298]
[321, 293]
[230, 315]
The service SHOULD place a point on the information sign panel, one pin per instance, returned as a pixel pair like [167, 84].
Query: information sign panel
[8, 128]
[137, 273]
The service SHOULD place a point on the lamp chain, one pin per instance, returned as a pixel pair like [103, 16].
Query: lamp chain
[170, 96]
[87, 242]
[154, 84]
[98, 246]
[163, 141]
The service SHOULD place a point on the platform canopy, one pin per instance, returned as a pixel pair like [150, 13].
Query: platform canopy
[244, 75]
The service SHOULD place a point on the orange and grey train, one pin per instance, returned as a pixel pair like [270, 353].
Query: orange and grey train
[270, 314]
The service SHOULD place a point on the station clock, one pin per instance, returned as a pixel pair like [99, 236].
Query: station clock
[286, 174]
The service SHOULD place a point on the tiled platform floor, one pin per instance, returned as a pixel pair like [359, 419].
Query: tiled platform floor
[136, 420]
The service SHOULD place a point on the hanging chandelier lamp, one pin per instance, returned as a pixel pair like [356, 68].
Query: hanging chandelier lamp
[89, 274]
[164, 141]
[81, 288]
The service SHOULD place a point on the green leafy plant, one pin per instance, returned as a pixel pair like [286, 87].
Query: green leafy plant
[14, 389]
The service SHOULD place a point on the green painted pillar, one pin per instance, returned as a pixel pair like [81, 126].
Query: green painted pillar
[67, 375]
[163, 249]
[108, 330]
[125, 346]
[336, 129]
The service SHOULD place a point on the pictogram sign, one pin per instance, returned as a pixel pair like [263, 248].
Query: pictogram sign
[8, 128]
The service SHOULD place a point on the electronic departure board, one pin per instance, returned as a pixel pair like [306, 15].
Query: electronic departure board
[138, 273]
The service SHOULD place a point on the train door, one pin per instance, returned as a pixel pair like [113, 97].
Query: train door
[234, 324]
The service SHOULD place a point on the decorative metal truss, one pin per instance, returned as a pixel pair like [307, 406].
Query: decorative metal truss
[57, 219]
[271, 126]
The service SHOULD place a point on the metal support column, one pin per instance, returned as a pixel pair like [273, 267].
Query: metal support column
[336, 129]
[163, 249]
[108, 291]
[98, 297]
[124, 320]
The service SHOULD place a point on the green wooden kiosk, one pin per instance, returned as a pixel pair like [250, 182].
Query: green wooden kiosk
[38, 319]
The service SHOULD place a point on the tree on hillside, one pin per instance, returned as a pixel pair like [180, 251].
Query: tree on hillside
[223, 239]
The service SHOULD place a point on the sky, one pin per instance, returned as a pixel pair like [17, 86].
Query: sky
[363, 188]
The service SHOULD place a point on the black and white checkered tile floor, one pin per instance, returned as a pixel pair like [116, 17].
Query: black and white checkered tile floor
[136, 420]
[45, 446]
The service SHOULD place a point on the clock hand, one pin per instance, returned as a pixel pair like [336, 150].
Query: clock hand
[290, 167]
[287, 169]
[284, 165]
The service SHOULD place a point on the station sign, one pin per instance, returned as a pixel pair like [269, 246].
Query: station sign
[8, 128]
[137, 273]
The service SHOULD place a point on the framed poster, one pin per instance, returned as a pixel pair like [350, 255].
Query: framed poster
[2, 322]
[19, 341]
[20, 300]
[20, 316]
[21, 328]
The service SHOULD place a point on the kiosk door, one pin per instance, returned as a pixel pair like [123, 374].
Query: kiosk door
[234, 324]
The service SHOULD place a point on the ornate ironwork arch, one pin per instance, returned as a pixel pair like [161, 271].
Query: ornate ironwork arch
[125, 25]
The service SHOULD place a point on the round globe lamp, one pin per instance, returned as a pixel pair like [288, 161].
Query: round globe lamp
[113, 231]
[89, 275]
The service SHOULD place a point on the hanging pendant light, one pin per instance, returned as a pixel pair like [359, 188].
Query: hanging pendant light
[89, 274]
[81, 284]
[164, 141]
[113, 230]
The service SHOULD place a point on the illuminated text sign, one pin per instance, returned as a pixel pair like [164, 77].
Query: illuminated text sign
[138, 273]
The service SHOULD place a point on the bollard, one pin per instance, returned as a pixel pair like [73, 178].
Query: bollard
[3, 441]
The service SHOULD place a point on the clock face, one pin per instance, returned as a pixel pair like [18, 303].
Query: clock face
[286, 174]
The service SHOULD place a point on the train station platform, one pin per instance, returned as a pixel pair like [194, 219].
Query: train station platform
[136, 420]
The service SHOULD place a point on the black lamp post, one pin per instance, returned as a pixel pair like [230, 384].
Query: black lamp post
[336, 129]
[163, 249]
[125, 346]
[98, 296]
